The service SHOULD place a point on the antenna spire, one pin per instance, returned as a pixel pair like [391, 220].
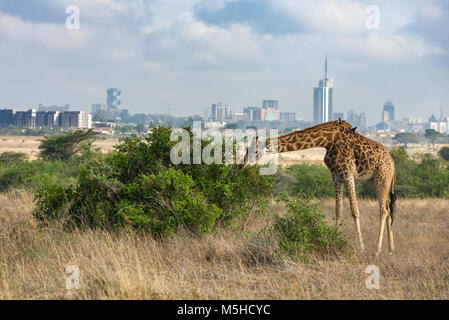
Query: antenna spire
[325, 70]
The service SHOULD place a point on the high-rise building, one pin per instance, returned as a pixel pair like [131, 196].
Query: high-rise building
[75, 119]
[388, 112]
[269, 114]
[220, 112]
[253, 113]
[98, 107]
[25, 119]
[32, 118]
[322, 98]
[6, 117]
[47, 119]
[273, 104]
[113, 99]
[357, 120]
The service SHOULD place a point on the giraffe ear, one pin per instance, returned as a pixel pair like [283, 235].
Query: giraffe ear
[339, 120]
[353, 129]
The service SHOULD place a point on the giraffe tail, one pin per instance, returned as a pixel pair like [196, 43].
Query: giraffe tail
[392, 198]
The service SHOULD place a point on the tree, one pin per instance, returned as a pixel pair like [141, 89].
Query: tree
[444, 153]
[405, 138]
[433, 136]
[66, 145]
[231, 126]
[140, 128]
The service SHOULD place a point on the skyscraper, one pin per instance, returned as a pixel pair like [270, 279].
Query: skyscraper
[97, 107]
[113, 99]
[322, 98]
[388, 112]
[273, 104]
[221, 112]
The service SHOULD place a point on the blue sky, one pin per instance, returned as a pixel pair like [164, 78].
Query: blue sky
[187, 54]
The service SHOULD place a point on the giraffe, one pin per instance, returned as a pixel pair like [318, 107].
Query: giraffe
[349, 156]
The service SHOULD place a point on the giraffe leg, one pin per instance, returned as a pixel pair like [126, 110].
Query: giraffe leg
[350, 188]
[390, 235]
[381, 184]
[338, 199]
[383, 218]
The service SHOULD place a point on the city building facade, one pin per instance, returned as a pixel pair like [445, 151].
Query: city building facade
[322, 98]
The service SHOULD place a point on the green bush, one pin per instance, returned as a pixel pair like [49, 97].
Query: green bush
[304, 230]
[11, 157]
[138, 185]
[316, 181]
[426, 176]
[25, 174]
[311, 180]
[444, 153]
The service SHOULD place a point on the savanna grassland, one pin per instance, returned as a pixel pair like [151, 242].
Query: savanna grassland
[139, 227]
[231, 263]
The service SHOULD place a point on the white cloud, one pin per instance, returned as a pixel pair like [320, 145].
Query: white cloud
[44, 35]
[161, 55]
[342, 16]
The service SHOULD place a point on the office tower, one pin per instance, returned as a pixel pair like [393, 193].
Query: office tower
[47, 119]
[98, 107]
[273, 104]
[113, 99]
[75, 119]
[220, 112]
[322, 98]
[388, 112]
[216, 111]
[24, 119]
[352, 118]
[6, 117]
[362, 120]
[357, 120]
[253, 113]
[269, 114]
[227, 112]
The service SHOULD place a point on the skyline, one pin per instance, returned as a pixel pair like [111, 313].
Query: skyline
[186, 55]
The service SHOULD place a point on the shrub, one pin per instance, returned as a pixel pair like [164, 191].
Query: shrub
[303, 230]
[311, 180]
[24, 174]
[425, 176]
[316, 181]
[444, 153]
[11, 157]
[138, 185]
[431, 177]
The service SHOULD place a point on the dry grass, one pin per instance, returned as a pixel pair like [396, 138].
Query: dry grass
[231, 264]
[30, 145]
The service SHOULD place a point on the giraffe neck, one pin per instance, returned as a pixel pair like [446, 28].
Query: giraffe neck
[305, 139]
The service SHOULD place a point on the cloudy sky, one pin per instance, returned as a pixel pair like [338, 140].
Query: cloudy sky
[187, 54]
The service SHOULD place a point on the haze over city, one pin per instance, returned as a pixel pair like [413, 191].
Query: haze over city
[186, 55]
